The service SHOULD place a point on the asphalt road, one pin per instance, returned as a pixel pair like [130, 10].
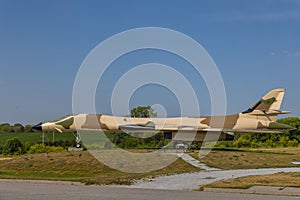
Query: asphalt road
[10, 189]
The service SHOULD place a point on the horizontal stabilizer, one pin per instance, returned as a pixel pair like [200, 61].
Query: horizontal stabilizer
[268, 113]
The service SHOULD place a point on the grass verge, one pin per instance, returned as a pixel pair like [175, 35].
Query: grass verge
[276, 180]
[77, 166]
[250, 158]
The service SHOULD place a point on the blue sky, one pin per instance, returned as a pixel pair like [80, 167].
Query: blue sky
[254, 43]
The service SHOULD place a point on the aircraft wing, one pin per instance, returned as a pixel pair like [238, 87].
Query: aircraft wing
[256, 131]
[133, 127]
[241, 130]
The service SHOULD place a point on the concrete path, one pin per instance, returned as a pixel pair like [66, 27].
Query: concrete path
[189, 159]
[192, 181]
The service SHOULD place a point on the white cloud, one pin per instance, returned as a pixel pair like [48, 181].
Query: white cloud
[285, 53]
[260, 16]
[297, 54]
[259, 10]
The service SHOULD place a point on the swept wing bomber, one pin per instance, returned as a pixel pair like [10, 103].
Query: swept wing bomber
[259, 118]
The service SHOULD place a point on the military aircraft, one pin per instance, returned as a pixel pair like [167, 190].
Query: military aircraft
[259, 118]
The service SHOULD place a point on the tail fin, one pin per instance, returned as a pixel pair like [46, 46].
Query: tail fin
[269, 105]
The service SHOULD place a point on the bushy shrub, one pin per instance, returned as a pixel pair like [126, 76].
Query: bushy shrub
[13, 146]
[63, 143]
[41, 148]
[242, 142]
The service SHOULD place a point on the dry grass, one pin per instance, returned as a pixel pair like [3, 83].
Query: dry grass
[251, 159]
[279, 180]
[77, 166]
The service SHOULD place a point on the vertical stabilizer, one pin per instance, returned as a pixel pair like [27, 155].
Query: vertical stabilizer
[269, 105]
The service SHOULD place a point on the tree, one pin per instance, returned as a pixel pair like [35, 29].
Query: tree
[143, 112]
[18, 128]
[292, 121]
[28, 129]
[4, 128]
[13, 146]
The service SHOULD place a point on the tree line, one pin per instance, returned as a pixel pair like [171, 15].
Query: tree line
[268, 140]
[16, 128]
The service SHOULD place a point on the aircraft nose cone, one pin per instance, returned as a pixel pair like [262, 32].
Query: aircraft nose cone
[38, 127]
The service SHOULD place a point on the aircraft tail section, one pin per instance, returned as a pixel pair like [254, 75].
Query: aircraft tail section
[269, 105]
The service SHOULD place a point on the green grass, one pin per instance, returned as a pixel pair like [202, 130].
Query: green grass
[35, 137]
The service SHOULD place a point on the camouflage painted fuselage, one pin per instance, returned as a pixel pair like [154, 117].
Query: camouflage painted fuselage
[259, 118]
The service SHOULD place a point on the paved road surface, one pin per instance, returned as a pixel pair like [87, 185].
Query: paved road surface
[58, 190]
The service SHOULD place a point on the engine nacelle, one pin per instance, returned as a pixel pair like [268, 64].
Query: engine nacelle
[199, 136]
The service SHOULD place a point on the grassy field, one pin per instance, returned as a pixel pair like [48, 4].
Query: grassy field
[77, 166]
[36, 137]
[279, 180]
[251, 158]
[85, 168]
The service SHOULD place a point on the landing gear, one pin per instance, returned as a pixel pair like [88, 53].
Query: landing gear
[78, 140]
[78, 143]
